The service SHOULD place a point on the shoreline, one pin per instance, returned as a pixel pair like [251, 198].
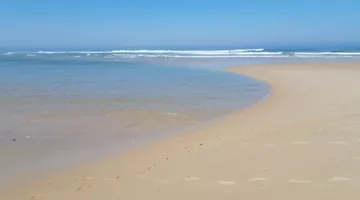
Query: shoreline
[201, 164]
[38, 169]
[63, 131]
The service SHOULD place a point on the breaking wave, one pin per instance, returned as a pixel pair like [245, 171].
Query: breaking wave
[232, 53]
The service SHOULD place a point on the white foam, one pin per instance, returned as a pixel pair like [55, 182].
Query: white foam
[322, 56]
[188, 52]
[327, 53]
[230, 53]
[201, 52]
[73, 52]
[269, 55]
[48, 52]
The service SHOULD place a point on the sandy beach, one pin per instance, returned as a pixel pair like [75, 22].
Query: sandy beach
[303, 142]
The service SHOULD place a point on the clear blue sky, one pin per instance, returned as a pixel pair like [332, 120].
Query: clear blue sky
[177, 23]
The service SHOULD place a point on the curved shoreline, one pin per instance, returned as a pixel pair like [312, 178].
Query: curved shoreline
[266, 151]
[171, 117]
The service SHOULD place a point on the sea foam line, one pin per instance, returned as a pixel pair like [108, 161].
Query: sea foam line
[231, 53]
[329, 53]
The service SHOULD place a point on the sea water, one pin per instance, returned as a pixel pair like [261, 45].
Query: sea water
[57, 110]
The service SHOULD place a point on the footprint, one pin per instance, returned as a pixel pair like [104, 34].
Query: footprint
[151, 167]
[226, 183]
[192, 178]
[300, 181]
[259, 179]
[340, 178]
[39, 196]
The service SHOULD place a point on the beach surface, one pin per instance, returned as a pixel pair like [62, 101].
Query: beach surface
[303, 142]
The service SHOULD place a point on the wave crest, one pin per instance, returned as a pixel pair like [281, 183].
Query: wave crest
[231, 53]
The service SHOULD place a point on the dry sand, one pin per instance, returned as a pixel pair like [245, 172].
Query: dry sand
[301, 143]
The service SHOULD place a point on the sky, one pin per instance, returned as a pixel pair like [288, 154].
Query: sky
[117, 24]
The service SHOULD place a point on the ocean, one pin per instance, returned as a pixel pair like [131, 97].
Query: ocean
[63, 108]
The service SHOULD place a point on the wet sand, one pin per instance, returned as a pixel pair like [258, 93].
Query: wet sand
[303, 142]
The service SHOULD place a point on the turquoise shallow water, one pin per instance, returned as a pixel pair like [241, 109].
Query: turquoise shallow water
[56, 112]
[45, 85]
